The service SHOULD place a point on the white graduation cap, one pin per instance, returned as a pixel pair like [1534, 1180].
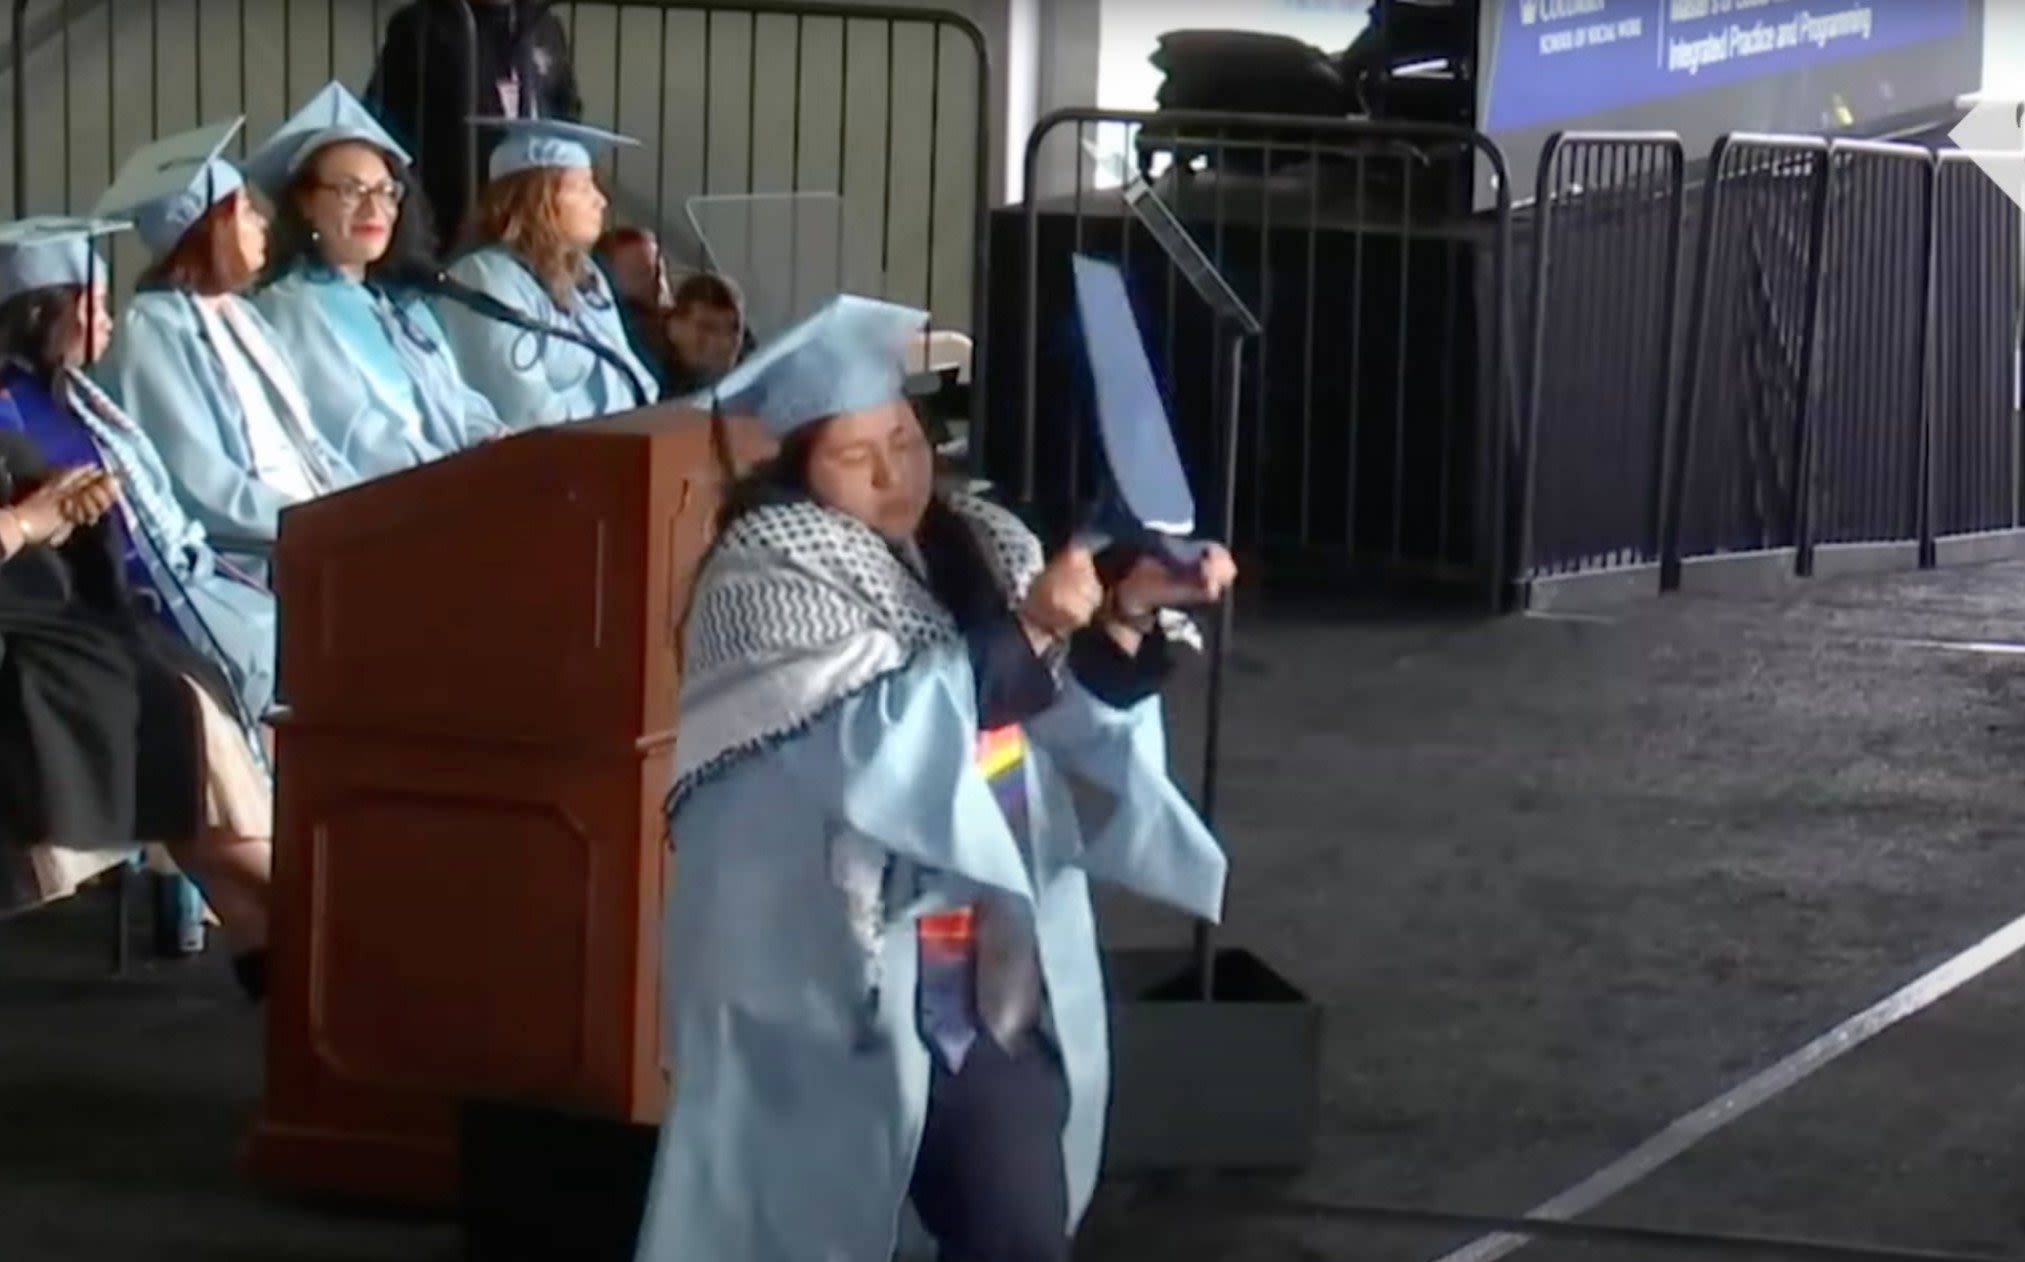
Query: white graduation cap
[46, 251]
[529, 144]
[167, 186]
[330, 117]
[846, 357]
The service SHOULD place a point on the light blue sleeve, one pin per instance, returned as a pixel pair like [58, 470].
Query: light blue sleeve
[153, 373]
[462, 416]
[610, 328]
[1152, 841]
[895, 765]
[503, 363]
[372, 441]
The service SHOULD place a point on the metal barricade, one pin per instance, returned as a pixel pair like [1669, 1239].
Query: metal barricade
[1863, 467]
[886, 106]
[1975, 509]
[1605, 278]
[1376, 423]
[1734, 484]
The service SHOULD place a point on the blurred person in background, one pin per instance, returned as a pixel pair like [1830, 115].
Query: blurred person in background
[631, 259]
[706, 332]
[419, 87]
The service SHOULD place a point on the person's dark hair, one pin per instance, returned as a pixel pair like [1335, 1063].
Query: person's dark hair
[781, 478]
[30, 324]
[706, 289]
[291, 239]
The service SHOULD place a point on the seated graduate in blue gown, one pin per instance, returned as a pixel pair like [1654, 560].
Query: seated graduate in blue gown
[882, 983]
[55, 318]
[348, 240]
[133, 664]
[197, 365]
[528, 245]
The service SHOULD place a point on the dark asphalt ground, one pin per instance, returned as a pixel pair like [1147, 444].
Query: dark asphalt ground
[1555, 883]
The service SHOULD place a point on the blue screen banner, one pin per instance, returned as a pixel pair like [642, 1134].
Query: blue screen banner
[1560, 59]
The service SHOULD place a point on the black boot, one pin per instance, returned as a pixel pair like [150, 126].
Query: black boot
[251, 971]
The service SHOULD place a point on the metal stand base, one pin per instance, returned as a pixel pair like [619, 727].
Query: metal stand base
[1229, 1083]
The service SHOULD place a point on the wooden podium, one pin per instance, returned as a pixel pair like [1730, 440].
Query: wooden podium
[479, 665]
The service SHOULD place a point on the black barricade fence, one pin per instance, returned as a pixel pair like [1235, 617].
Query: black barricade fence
[1867, 421]
[1734, 475]
[1975, 463]
[1375, 419]
[1604, 277]
[884, 106]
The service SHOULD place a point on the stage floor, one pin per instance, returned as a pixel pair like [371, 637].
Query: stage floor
[1558, 884]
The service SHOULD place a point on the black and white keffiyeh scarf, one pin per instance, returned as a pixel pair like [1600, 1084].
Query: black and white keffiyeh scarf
[800, 607]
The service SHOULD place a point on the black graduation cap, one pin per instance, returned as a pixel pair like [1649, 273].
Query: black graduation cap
[1147, 503]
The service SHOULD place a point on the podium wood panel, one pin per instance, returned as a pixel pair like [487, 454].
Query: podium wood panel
[479, 662]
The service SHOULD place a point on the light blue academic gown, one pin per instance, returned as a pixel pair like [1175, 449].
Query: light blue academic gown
[384, 388]
[798, 1107]
[164, 373]
[534, 380]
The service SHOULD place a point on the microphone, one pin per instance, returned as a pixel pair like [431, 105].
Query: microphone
[434, 280]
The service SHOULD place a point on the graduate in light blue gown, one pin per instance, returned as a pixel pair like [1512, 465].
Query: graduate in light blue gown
[529, 247]
[384, 388]
[50, 281]
[197, 365]
[886, 1013]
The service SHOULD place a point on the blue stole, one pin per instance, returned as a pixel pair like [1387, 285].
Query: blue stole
[28, 408]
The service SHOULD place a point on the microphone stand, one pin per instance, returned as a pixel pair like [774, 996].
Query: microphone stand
[441, 285]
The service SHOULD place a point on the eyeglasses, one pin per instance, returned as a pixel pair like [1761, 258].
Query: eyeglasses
[351, 193]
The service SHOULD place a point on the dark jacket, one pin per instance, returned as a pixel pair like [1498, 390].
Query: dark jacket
[419, 88]
[100, 740]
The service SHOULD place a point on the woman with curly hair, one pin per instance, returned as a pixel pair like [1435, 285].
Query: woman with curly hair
[529, 247]
[350, 246]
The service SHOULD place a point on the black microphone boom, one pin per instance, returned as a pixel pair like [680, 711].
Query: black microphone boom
[443, 285]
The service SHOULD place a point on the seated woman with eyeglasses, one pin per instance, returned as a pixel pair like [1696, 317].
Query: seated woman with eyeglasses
[535, 303]
[348, 249]
[197, 365]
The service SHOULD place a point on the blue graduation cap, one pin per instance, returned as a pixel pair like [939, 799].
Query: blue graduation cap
[331, 116]
[1149, 500]
[167, 186]
[50, 250]
[529, 144]
[845, 357]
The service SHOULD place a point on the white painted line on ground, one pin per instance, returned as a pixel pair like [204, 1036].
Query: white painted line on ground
[1548, 615]
[1692, 1128]
[2000, 648]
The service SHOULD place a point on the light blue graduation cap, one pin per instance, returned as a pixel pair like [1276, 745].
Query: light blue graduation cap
[332, 116]
[529, 144]
[1150, 502]
[51, 250]
[167, 186]
[844, 358]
